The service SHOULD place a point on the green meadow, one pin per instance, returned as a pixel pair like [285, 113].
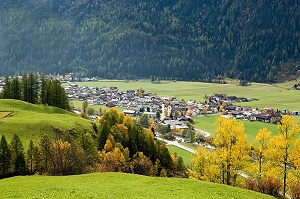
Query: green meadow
[117, 185]
[206, 123]
[31, 121]
[186, 156]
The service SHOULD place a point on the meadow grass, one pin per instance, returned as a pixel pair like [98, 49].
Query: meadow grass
[251, 129]
[186, 156]
[117, 185]
[31, 121]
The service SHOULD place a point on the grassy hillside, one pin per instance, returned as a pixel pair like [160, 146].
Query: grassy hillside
[31, 121]
[117, 185]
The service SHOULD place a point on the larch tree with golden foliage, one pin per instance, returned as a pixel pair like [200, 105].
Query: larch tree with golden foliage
[280, 149]
[262, 138]
[204, 166]
[231, 148]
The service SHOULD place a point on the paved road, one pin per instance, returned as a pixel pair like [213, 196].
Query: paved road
[175, 143]
[204, 133]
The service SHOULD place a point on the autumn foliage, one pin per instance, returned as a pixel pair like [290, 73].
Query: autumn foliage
[270, 165]
[117, 145]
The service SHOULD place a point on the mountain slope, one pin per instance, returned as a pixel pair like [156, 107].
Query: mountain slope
[190, 40]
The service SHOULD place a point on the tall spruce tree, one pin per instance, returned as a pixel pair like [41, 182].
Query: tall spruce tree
[32, 88]
[5, 155]
[15, 88]
[6, 87]
[18, 163]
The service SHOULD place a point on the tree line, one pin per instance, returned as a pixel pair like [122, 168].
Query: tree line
[36, 90]
[117, 145]
[172, 39]
[269, 165]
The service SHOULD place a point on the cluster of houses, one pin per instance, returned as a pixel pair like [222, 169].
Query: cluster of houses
[169, 110]
[267, 115]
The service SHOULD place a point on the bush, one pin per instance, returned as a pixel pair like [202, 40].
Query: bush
[251, 184]
[295, 191]
[269, 186]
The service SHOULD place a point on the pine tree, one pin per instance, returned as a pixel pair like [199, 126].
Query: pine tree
[15, 88]
[30, 157]
[6, 87]
[17, 159]
[5, 155]
[32, 88]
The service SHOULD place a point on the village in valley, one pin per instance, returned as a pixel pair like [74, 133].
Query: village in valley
[169, 111]
[165, 111]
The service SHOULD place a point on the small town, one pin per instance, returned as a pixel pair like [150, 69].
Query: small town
[170, 110]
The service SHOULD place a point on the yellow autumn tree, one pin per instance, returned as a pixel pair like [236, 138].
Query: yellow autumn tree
[262, 139]
[280, 149]
[113, 161]
[294, 174]
[204, 166]
[231, 148]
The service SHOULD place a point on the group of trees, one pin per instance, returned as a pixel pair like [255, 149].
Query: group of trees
[12, 157]
[255, 41]
[119, 133]
[269, 164]
[117, 145]
[34, 89]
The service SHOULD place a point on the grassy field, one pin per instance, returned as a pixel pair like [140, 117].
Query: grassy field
[31, 121]
[117, 185]
[276, 96]
[186, 156]
[206, 123]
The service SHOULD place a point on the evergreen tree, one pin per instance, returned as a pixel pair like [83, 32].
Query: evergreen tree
[6, 87]
[32, 88]
[18, 163]
[44, 93]
[5, 155]
[15, 88]
[30, 157]
[25, 86]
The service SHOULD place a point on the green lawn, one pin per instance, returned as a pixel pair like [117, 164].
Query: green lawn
[186, 156]
[206, 123]
[31, 121]
[117, 185]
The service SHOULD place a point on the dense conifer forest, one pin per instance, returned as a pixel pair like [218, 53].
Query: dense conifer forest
[173, 39]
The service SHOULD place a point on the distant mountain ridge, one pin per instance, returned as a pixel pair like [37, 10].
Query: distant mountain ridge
[174, 39]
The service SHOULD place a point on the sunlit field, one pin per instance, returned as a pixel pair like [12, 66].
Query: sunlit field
[118, 185]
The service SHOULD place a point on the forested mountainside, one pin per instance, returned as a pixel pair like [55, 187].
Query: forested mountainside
[178, 39]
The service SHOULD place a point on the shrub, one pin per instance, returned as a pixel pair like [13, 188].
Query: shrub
[295, 191]
[269, 186]
[251, 184]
